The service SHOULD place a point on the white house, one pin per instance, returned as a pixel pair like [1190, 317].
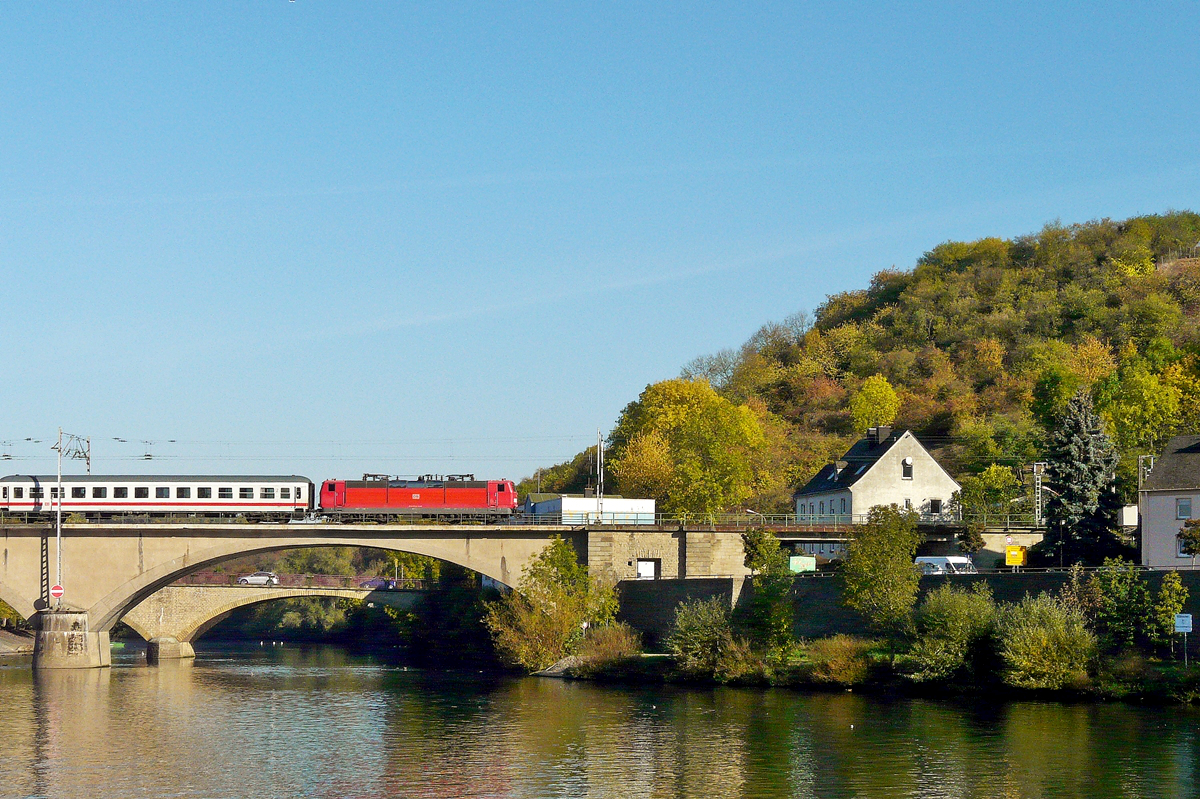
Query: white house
[1167, 497]
[884, 468]
[576, 509]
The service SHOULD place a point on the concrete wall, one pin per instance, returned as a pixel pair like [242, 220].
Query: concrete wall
[615, 554]
[1160, 547]
[649, 605]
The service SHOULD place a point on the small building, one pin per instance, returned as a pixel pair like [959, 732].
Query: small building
[1167, 497]
[580, 509]
[883, 468]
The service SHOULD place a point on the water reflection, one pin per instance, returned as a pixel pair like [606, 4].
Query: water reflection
[324, 723]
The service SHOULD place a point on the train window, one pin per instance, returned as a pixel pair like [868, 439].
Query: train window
[266, 493]
[183, 493]
[4, 492]
[78, 492]
[162, 492]
[120, 492]
[203, 493]
[141, 492]
[299, 493]
[18, 493]
[285, 493]
[54, 492]
[225, 493]
[500, 487]
[245, 493]
[99, 492]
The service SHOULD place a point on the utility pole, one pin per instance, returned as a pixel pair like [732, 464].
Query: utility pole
[77, 448]
[599, 475]
[1039, 468]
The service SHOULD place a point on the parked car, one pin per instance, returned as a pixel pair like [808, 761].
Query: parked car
[379, 584]
[259, 578]
[950, 564]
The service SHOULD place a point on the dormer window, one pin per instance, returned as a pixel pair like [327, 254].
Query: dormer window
[906, 469]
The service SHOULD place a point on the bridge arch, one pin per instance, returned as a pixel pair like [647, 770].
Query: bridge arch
[187, 612]
[17, 601]
[501, 558]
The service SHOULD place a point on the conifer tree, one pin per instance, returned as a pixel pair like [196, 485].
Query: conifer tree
[1081, 469]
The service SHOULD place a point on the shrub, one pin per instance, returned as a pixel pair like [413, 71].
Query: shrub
[607, 647]
[1124, 605]
[955, 630]
[699, 635]
[840, 660]
[1045, 644]
[739, 663]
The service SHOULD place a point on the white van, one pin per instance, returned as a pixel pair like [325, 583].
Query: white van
[949, 564]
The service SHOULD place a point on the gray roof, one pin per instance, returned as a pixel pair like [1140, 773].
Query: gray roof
[859, 460]
[157, 478]
[1177, 468]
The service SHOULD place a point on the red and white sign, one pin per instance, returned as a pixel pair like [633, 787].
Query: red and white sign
[56, 591]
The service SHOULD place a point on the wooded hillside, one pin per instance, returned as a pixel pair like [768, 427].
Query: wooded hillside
[977, 349]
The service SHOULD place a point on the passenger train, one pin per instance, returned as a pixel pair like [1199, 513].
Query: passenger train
[257, 497]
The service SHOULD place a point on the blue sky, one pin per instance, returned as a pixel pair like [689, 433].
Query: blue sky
[331, 238]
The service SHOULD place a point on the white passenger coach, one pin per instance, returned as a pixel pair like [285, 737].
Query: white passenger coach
[114, 495]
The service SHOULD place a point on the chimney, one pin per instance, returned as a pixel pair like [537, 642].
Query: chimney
[878, 435]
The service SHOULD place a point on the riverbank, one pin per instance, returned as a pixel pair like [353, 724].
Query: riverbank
[15, 643]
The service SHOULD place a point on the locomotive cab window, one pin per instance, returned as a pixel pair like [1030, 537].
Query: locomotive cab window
[500, 487]
[141, 492]
[162, 492]
[78, 492]
[120, 492]
[224, 493]
[203, 493]
[99, 492]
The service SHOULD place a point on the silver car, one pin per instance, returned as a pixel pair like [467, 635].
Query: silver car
[259, 578]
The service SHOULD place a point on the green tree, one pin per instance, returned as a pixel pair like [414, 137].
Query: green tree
[544, 619]
[1123, 607]
[954, 628]
[1189, 539]
[1080, 468]
[877, 573]
[1144, 411]
[988, 493]
[768, 616]
[875, 403]
[1169, 601]
[710, 452]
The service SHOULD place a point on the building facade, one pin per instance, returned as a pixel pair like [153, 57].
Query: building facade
[1167, 497]
[883, 468]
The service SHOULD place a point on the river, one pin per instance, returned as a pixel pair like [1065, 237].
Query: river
[284, 722]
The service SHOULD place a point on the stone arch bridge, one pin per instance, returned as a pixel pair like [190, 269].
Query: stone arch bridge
[109, 568]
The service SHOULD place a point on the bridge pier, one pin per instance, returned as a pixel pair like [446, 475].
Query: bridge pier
[167, 648]
[63, 641]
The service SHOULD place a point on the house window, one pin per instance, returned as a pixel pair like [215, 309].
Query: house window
[1183, 508]
[245, 493]
[162, 492]
[99, 493]
[822, 507]
[843, 504]
[906, 469]
[935, 506]
[120, 492]
[141, 492]
[224, 493]
[907, 503]
[78, 492]
[203, 493]
[183, 493]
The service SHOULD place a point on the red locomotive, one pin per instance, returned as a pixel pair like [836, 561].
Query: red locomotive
[427, 495]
